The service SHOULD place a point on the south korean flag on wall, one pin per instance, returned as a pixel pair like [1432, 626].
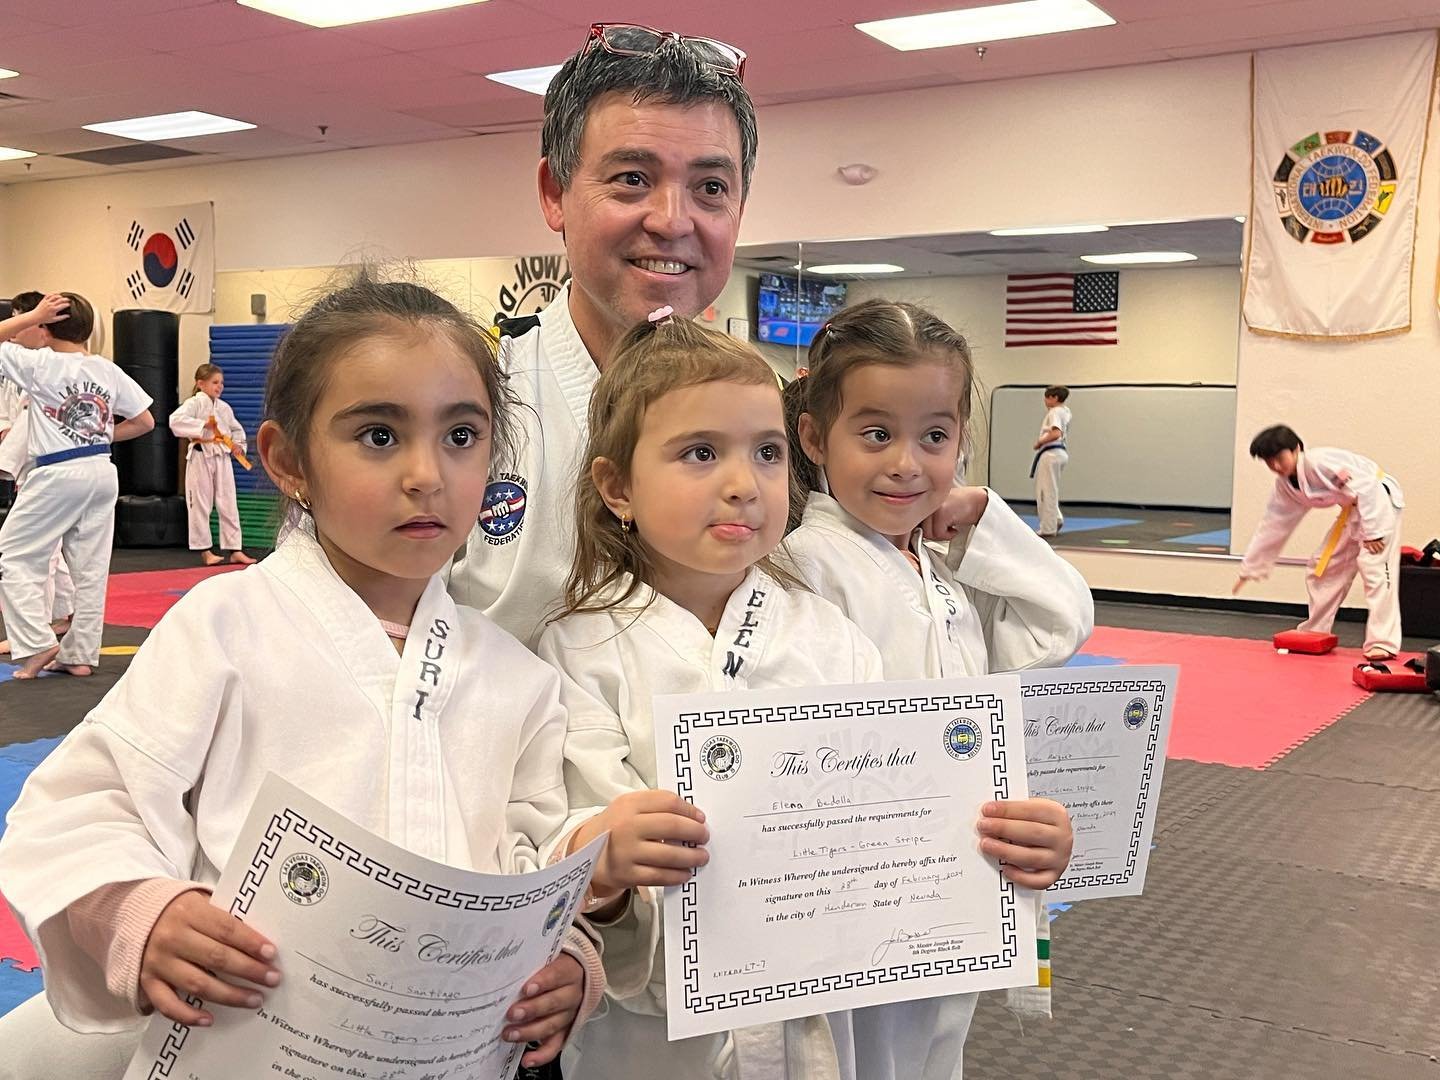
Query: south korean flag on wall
[165, 257]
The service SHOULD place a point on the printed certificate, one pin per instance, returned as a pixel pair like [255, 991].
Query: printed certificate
[845, 867]
[1095, 740]
[395, 966]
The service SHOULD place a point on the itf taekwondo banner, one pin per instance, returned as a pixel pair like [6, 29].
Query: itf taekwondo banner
[1336, 142]
[165, 257]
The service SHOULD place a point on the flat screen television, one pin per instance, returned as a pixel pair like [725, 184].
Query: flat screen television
[789, 311]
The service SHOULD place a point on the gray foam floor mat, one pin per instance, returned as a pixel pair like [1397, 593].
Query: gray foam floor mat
[1361, 830]
[1103, 1034]
[1246, 939]
[1190, 788]
[1398, 747]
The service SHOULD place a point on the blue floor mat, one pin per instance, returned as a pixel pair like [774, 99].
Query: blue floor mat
[17, 986]
[16, 761]
[1094, 660]
[1213, 538]
[1075, 524]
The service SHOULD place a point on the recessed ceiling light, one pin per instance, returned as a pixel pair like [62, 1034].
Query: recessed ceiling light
[345, 12]
[534, 80]
[180, 125]
[997, 22]
[6, 73]
[9, 153]
[1140, 257]
[1051, 230]
[853, 268]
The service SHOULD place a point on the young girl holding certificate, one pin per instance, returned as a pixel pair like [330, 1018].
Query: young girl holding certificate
[679, 586]
[881, 419]
[340, 663]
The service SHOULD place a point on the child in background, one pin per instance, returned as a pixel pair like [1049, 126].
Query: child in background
[1051, 457]
[77, 401]
[209, 476]
[1365, 538]
[16, 461]
[119, 836]
[882, 417]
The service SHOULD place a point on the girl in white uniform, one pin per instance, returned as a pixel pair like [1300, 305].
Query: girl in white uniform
[209, 476]
[881, 420]
[675, 589]
[76, 400]
[373, 691]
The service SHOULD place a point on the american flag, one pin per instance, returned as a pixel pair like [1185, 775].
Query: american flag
[1062, 309]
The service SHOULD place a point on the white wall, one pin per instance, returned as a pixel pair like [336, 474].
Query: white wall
[1162, 141]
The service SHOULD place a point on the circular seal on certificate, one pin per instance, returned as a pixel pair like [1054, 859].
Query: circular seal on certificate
[1335, 187]
[1136, 713]
[304, 879]
[557, 912]
[720, 757]
[962, 738]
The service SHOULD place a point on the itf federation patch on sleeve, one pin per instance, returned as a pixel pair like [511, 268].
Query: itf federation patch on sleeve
[503, 513]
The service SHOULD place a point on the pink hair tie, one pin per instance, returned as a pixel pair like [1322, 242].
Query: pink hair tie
[661, 314]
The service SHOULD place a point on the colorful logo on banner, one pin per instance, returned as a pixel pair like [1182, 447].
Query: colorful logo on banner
[1335, 188]
[160, 258]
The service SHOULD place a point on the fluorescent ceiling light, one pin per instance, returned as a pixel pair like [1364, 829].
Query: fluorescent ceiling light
[853, 268]
[1140, 257]
[180, 125]
[6, 73]
[345, 12]
[532, 80]
[998, 22]
[1051, 230]
[9, 153]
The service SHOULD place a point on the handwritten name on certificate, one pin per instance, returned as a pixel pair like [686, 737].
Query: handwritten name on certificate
[395, 966]
[1095, 740]
[845, 867]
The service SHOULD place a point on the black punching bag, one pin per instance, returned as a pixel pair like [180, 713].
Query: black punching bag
[147, 348]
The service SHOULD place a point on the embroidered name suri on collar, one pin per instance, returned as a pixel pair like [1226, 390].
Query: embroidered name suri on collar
[430, 670]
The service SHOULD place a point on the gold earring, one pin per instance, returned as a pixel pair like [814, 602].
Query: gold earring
[624, 524]
[300, 498]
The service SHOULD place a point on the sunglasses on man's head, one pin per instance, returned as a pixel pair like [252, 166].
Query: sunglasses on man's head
[631, 39]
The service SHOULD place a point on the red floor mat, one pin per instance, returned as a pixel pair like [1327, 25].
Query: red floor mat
[1240, 702]
[140, 599]
[14, 945]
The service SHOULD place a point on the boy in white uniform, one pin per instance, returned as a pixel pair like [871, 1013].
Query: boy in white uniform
[16, 461]
[75, 399]
[1365, 538]
[1051, 458]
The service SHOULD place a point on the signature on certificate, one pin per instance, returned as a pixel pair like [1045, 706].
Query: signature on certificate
[939, 931]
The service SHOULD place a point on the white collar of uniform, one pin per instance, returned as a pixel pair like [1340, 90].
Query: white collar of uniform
[301, 565]
[743, 631]
[565, 354]
[825, 512]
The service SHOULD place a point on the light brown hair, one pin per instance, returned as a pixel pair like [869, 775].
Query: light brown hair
[205, 371]
[649, 362]
[871, 332]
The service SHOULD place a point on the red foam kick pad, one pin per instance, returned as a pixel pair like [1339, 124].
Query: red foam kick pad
[1388, 677]
[1306, 641]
